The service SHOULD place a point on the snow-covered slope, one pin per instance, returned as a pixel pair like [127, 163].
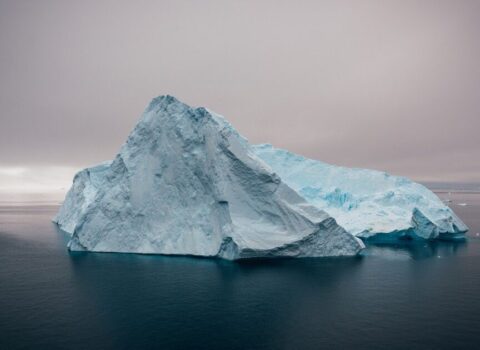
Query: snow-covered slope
[186, 182]
[370, 204]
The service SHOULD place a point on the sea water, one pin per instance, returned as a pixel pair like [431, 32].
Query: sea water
[408, 296]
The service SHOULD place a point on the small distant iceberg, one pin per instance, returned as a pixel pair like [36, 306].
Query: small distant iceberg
[187, 183]
[462, 204]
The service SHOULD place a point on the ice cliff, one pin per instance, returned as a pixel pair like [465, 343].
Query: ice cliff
[186, 183]
[370, 204]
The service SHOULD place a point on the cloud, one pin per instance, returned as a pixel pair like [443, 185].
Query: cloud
[36, 180]
[388, 85]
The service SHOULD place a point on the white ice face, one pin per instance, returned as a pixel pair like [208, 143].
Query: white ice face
[370, 204]
[186, 182]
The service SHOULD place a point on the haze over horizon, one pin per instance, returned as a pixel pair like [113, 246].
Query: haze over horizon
[393, 86]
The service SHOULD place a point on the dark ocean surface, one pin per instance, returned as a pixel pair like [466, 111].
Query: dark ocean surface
[412, 296]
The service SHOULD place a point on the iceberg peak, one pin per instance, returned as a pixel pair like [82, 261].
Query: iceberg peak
[162, 99]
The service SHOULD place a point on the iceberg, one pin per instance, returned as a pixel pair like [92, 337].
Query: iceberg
[372, 205]
[186, 183]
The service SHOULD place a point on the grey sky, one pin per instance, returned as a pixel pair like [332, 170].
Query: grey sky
[391, 85]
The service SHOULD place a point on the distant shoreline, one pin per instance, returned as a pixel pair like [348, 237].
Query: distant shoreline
[455, 191]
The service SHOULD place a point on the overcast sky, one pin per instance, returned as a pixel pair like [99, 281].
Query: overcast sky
[390, 85]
